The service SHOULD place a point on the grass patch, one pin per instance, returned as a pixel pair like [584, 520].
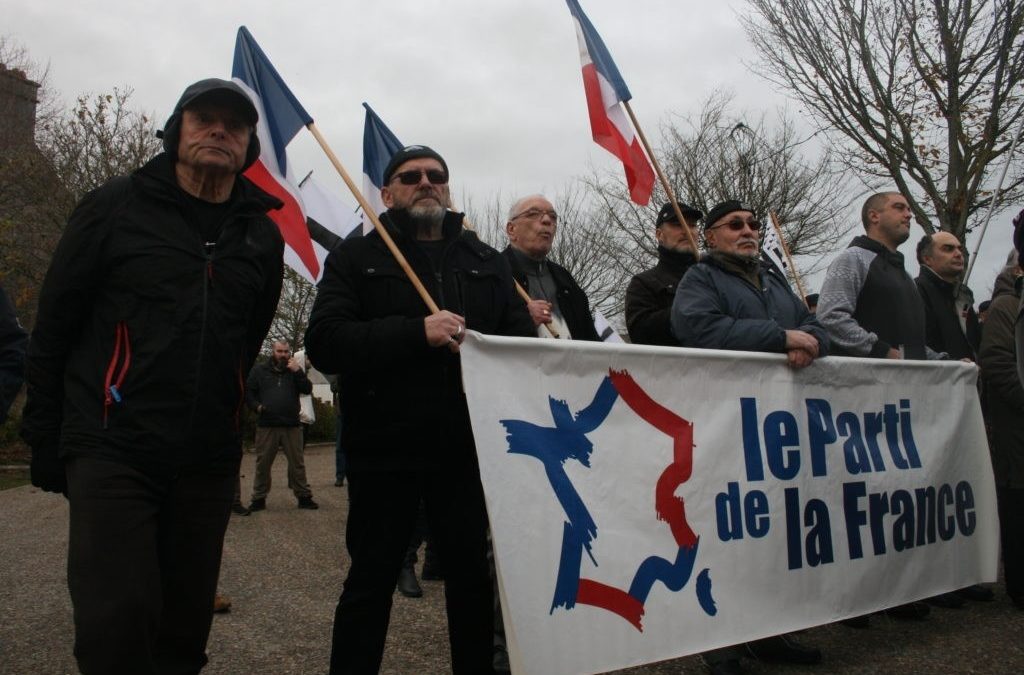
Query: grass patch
[14, 478]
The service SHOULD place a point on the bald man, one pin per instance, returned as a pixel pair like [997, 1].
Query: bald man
[951, 326]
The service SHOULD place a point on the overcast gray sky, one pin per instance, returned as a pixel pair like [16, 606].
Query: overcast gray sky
[493, 85]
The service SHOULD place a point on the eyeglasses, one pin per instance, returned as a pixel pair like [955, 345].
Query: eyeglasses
[736, 224]
[412, 177]
[536, 214]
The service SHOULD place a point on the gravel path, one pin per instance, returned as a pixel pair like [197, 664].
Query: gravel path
[283, 571]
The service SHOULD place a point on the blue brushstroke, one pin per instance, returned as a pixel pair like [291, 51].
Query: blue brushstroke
[707, 603]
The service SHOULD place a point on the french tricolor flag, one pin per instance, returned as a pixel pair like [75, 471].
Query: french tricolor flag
[379, 146]
[606, 90]
[281, 117]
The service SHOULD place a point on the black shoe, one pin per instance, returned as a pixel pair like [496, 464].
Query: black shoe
[977, 593]
[239, 510]
[407, 584]
[726, 667]
[258, 505]
[912, 611]
[432, 573]
[783, 649]
[858, 622]
[308, 503]
[947, 601]
[338, 482]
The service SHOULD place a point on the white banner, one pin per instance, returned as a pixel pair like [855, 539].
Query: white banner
[652, 502]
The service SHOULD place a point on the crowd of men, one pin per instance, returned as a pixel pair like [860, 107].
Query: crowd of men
[162, 290]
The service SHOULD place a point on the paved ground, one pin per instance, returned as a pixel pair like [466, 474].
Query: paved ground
[283, 570]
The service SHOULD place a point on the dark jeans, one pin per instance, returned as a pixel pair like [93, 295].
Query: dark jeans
[1011, 533]
[383, 509]
[143, 559]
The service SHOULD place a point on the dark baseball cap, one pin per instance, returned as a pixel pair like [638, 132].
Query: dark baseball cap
[225, 92]
[667, 214]
[411, 152]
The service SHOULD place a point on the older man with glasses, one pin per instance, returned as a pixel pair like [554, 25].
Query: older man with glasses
[556, 299]
[407, 434]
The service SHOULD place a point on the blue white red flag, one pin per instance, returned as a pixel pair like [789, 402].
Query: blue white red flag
[606, 91]
[379, 146]
[281, 117]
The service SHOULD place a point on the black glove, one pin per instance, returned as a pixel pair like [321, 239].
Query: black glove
[48, 469]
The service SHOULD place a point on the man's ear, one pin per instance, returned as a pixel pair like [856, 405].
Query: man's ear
[386, 197]
[510, 229]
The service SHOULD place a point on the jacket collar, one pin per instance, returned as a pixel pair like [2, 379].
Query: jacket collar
[157, 178]
[397, 221]
[894, 258]
[676, 261]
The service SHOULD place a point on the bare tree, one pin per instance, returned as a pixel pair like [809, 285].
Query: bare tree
[926, 94]
[50, 160]
[99, 138]
[292, 316]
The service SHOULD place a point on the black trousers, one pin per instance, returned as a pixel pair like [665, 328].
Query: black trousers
[1011, 534]
[143, 559]
[383, 509]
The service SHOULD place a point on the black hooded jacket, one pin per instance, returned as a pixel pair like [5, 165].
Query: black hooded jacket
[144, 334]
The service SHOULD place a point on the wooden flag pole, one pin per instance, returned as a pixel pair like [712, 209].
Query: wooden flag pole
[789, 258]
[519, 289]
[377, 225]
[664, 181]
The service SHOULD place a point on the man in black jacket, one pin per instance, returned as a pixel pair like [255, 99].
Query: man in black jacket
[154, 307]
[407, 435]
[272, 392]
[650, 294]
[12, 354]
[951, 325]
[557, 300]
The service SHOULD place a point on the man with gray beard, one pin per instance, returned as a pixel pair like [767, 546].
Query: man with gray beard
[407, 433]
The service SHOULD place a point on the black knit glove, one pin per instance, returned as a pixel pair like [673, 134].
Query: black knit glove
[48, 469]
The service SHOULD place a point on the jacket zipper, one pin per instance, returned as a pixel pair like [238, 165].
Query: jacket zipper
[209, 248]
[111, 385]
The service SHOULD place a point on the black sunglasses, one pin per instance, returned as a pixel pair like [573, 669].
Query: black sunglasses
[412, 177]
[736, 225]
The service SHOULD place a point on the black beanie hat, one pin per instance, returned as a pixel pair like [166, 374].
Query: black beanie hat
[725, 207]
[411, 152]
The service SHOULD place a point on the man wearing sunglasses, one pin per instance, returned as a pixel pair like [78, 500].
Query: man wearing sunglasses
[557, 300]
[407, 433]
[650, 294]
[729, 300]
